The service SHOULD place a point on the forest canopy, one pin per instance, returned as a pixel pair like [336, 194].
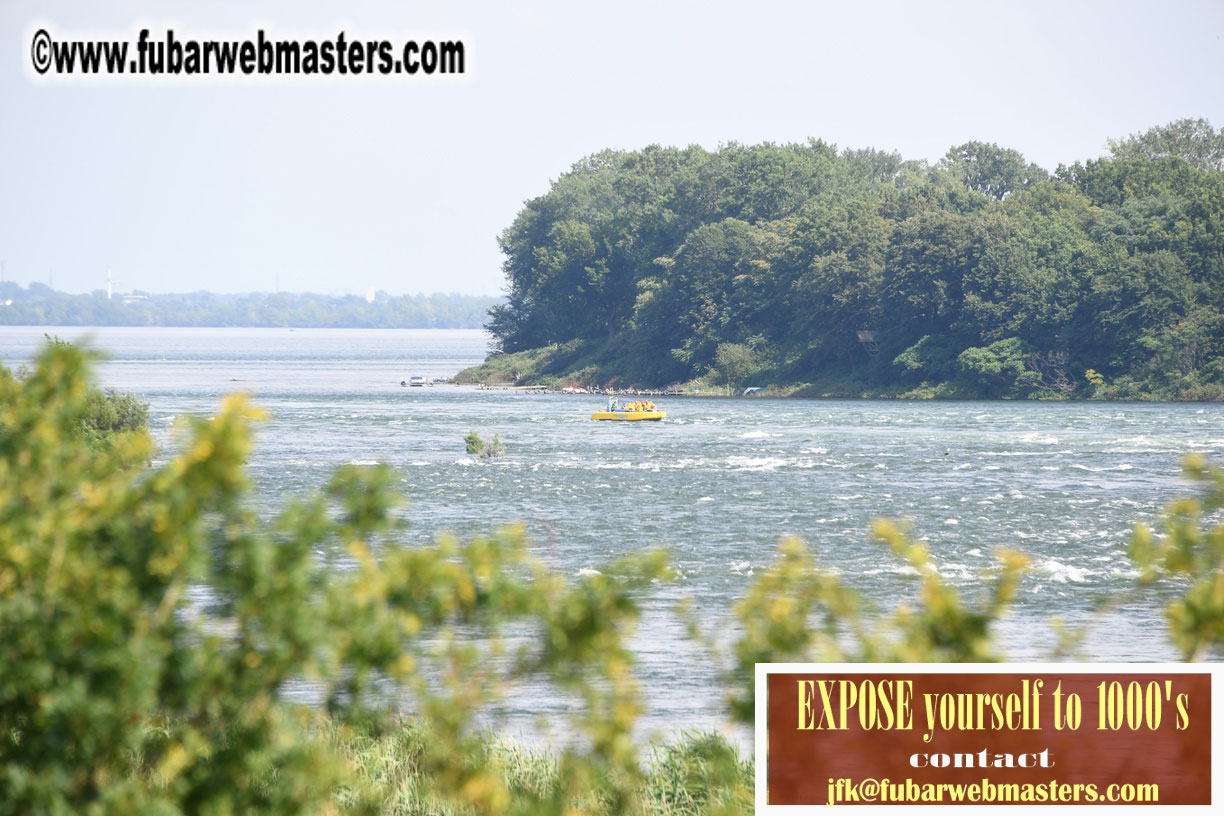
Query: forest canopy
[858, 271]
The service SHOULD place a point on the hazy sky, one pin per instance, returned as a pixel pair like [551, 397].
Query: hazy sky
[404, 184]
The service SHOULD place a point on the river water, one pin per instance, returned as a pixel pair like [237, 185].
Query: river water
[718, 483]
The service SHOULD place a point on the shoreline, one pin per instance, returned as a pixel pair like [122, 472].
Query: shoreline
[578, 366]
[924, 392]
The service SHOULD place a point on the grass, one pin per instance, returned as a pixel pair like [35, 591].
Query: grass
[520, 366]
[698, 774]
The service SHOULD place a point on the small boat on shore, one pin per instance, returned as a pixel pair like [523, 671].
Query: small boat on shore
[630, 412]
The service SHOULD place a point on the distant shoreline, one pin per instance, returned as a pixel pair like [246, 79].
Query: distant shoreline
[39, 305]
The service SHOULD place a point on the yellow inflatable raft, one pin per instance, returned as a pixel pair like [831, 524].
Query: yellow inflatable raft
[629, 416]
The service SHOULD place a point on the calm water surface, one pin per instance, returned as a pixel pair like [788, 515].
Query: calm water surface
[718, 483]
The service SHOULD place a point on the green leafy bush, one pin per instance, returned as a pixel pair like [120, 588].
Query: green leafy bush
[796, 612]
[1191, 549]
[932, 357]
[472, 442]
[491, 449]
[999, 367]
[113, 412]
[736, 364]
[118, 695]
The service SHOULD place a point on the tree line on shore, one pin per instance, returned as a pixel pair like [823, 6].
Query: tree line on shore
[40, 305]
[857, 270]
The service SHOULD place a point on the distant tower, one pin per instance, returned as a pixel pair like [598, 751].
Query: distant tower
[369, 294]
[108, 284]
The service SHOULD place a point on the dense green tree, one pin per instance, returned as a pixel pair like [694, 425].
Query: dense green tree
[1127, 298]
[840, 292]
[929, 257]
[999, 367]
[1192, 140]
[992, 170]
[736, 363]
[933, 357]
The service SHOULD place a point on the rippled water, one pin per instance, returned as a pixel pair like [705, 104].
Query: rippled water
[718, 483]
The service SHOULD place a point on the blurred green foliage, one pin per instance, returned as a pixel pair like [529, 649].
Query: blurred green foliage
[796, 612]
[119, 694]
[1190, 553]
[110, 415]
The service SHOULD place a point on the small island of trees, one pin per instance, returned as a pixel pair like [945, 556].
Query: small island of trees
[857, 272]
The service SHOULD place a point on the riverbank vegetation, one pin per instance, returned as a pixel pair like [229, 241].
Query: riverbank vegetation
[153, 624]
[856, 272]
[39, 305]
